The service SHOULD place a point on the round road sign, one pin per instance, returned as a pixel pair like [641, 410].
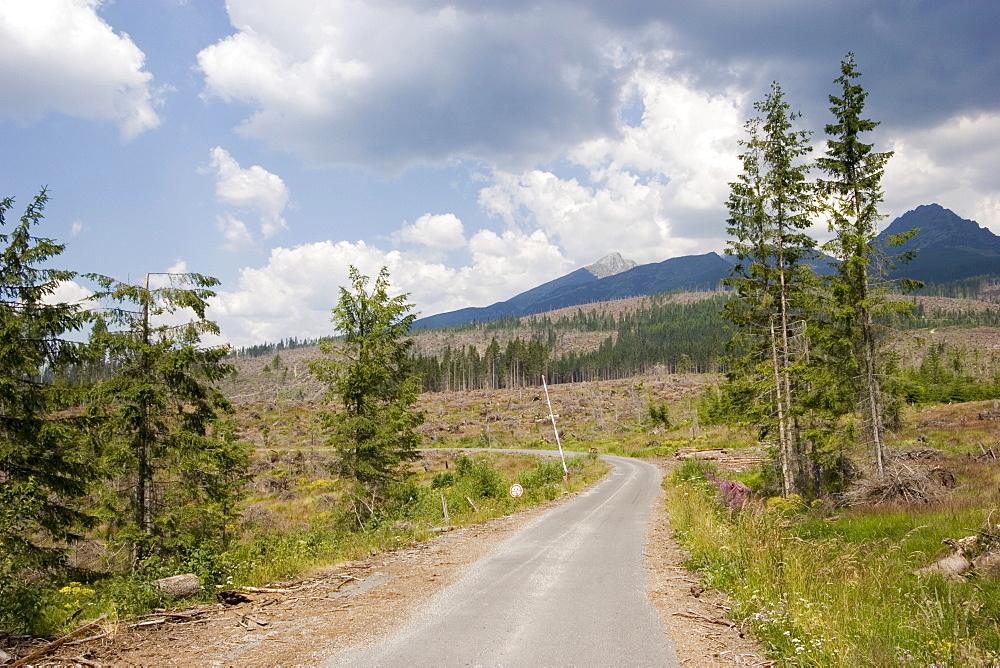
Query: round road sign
[516, 490]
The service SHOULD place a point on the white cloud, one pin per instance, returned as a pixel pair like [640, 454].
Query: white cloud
[953, 164]
[60, 56]
[254, 189]
[441, 232]
[76, 228]
[293, 294]
[656, 191]
[507, 264]
[178, 267]
[68, 292]
[238, 237]
[387, 84]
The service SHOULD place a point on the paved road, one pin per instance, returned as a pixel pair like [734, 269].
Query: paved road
[567, 590]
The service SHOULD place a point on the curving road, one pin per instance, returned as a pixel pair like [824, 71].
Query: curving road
[567, 590]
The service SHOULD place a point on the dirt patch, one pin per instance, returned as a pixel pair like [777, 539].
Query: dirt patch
[305, 622]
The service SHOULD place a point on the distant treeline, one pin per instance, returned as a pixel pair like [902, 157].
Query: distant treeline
[965, 288]
[673, 337]
[933, 317]
[270, 348]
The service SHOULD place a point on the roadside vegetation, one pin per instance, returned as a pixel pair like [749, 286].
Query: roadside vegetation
[854, 583]
[853, 545]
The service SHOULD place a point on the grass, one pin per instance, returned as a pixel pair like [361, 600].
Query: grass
[840, 590]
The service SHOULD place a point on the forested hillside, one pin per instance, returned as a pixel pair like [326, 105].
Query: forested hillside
[677, 332]
[673, 336]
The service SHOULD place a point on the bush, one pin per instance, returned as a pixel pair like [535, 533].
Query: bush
[694, 470]
[545, 472]
[21, 603]
[659, 414]
[822, 593]
[480, 479]
[443, 479]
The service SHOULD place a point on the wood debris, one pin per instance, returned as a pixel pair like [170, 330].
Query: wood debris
[55, 644]
[690, 614]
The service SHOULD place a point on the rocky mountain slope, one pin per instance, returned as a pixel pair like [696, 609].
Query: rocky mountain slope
[949, 247]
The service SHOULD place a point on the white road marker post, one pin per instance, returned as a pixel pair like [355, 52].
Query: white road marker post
[552, 417]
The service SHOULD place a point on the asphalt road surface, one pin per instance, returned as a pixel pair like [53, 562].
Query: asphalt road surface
[567, 590]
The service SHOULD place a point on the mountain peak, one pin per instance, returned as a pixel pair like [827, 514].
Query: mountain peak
[609, 265]
[939, 225]
[948, 246]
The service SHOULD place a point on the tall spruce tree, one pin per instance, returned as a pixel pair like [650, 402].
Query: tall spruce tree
[769, 208]
[369, 374]
[851, 193]
[159, 402]
[45, 467]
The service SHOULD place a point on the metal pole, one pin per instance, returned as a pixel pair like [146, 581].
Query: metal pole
[554, 429]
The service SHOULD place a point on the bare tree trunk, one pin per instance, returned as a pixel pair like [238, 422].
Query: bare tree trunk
[873, 392]
[791, 427]
[784, 441]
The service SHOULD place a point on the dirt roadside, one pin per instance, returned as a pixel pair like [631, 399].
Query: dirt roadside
[305, 622]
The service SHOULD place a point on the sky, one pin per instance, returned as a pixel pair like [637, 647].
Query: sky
[476, 149]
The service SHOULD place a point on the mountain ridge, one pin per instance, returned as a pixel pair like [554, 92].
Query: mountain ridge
[948, 248]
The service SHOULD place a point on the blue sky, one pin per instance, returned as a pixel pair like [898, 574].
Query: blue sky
[477, 149]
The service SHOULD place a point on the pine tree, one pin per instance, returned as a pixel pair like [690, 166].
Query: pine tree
[492, 360]
[369, 373]
[852, 192]
[159, 408]
[770, 206]
[45, 466]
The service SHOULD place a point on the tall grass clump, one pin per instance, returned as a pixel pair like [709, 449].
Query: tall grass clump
[836, 597]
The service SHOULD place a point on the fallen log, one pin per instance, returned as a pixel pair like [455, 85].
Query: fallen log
[233, 597]
[148, 622]
[55, 644]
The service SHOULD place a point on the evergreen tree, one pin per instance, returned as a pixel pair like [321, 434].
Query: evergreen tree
[769, 207]
[369, 373]
[492, 362]
[45, 468]
[852, 192]
[159, 409]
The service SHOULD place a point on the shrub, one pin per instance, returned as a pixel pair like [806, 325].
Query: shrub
[659, 414]
[443, 479]
[818, 591]
[479, 478]
[544, 472]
